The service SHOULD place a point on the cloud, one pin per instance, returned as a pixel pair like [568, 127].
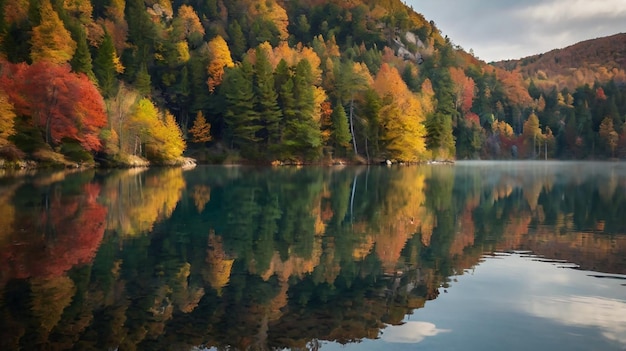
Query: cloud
[410, 332]
[608, 315]
[572, 11]
[510, 29]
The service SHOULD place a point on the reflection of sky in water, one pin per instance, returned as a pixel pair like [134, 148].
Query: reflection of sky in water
[410, 332]
[607, 315]
[514, 302]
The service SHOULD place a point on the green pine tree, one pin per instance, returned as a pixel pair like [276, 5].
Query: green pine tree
[81, 61]
[440, 139]
[302, 134]
[104, 66]
[143, 81]
[267, 99]
[242, 121]
[371, 113]
[340, 131]
[237, 41]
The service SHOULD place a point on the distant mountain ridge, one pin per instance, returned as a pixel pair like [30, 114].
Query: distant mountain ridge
[595, 60]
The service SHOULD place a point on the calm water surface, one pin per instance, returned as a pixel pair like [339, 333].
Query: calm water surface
[476, 256]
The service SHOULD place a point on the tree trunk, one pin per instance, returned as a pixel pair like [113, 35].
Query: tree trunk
[367, 152]
[356, 152]
[49, 115]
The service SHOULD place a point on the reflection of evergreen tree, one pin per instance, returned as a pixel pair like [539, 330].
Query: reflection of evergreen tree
[267, 231]
[439, 200]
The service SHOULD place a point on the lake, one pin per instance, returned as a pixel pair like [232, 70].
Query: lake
[472, 256]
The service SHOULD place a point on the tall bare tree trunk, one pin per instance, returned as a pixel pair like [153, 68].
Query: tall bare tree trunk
[356, 152]
[53, 102]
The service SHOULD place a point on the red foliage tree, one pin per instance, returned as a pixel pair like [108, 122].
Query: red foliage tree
[600, 95]
[63, 104]
[514, 88]
[472, 118]
[464, 90]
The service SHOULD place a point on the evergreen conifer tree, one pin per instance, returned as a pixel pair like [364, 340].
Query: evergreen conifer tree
[104, 66]
[340, 131]
[267, 99]
[242, 121]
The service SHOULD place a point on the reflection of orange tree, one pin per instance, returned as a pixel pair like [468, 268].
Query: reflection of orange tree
[594, 251]
[464, 234]
[8, 214]
[201, 196]
[138, 199]
[400, 215]
[217, 270]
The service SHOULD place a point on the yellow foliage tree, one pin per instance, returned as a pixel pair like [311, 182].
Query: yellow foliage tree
[272, 11]
[188, 21]
[502, 128]
[293, 55]
[319, 97]
[140, 123]
[219, 58]
[532, 133]
[81, 9]
[50, 40]
[201, 129]
[159, 132]
[608, 134]
[402, 117]
[170, 143]
[7, 116]
[182, 48]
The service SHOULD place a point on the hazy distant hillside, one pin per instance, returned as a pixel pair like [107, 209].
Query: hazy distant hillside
[600, 59]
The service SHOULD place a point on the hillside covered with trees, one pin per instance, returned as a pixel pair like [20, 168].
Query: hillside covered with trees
[294, 81]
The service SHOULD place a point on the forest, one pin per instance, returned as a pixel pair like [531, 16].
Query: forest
[123, 82]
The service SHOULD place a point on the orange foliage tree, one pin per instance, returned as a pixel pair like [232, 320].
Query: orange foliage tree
[219, 56]
[514, 87]
[201, 129]
[464, 91]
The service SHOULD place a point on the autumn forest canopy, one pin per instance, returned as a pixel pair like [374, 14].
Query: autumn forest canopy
[115, 81]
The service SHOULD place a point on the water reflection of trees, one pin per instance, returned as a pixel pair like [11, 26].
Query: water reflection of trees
[275, 258]
[138, 198]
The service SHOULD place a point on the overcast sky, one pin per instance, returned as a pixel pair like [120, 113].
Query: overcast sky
[510, 29]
